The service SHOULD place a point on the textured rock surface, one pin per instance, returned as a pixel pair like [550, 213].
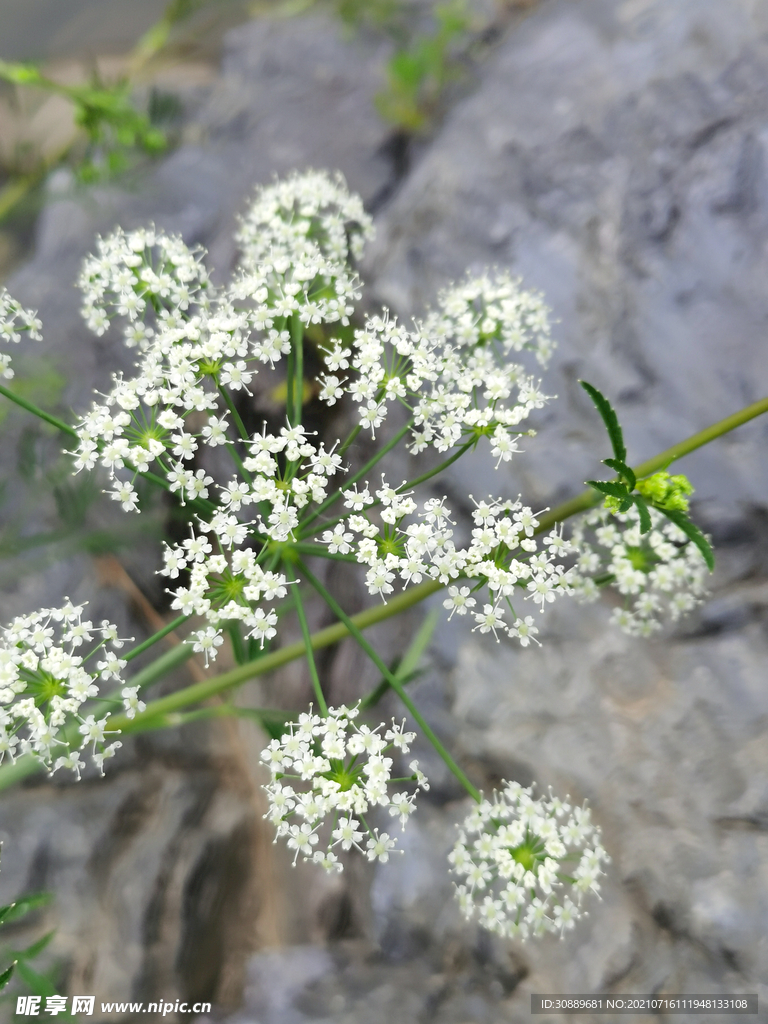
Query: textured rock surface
[613, 154]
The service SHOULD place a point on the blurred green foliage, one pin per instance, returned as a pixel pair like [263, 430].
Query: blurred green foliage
[418, 71]
[15, 964]
[114, 128]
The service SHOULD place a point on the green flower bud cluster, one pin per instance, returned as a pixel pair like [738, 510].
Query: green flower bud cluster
[666, 491]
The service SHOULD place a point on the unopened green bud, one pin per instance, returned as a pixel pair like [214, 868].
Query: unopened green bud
[666, 491]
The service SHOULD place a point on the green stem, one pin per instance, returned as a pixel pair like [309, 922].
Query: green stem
[438, 469]
[267, 663]
[350, 438]
[236, 639]
[400, 490]
[393, 681]
[297, 348]
[40, 413]
[233, 412]
[320, 552]
[290, 373]
[27, 765]
[157, 636]
[307, 642]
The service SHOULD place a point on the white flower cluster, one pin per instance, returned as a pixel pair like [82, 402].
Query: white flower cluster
[139, 276]
[299, 241]
[453, 372]
[200, 348]
[332, 772]
[44, 684]
[15, 321]
[225, 585]
[504, 559]
[503, 556]
[526, 863]
[659, 574]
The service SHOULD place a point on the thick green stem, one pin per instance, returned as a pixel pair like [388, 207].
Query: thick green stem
[393, 681]
[414, 595]
[251, 670]
[307, 642]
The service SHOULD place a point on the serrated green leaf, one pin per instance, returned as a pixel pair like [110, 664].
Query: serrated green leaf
[645, 516]
[610, 419]
[614, 488]
[623, 470]
[626, 503]
[5, 977]
[692, 531]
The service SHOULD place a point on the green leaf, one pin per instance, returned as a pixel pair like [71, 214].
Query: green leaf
[38, 984]
[5, 977]
[681, 520]
[610, 420]
[645, 516]
[614, 488]
[25, 905]
[4, 911]
[623, 470]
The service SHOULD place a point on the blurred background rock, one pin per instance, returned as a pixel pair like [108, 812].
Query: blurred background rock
[611, 152]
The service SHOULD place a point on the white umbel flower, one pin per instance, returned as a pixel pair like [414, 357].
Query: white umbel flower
[327, 776]
[660, 575]
[45, 686]
[526, 863]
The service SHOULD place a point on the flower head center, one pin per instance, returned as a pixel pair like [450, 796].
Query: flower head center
[526, 855]
[48, 686]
